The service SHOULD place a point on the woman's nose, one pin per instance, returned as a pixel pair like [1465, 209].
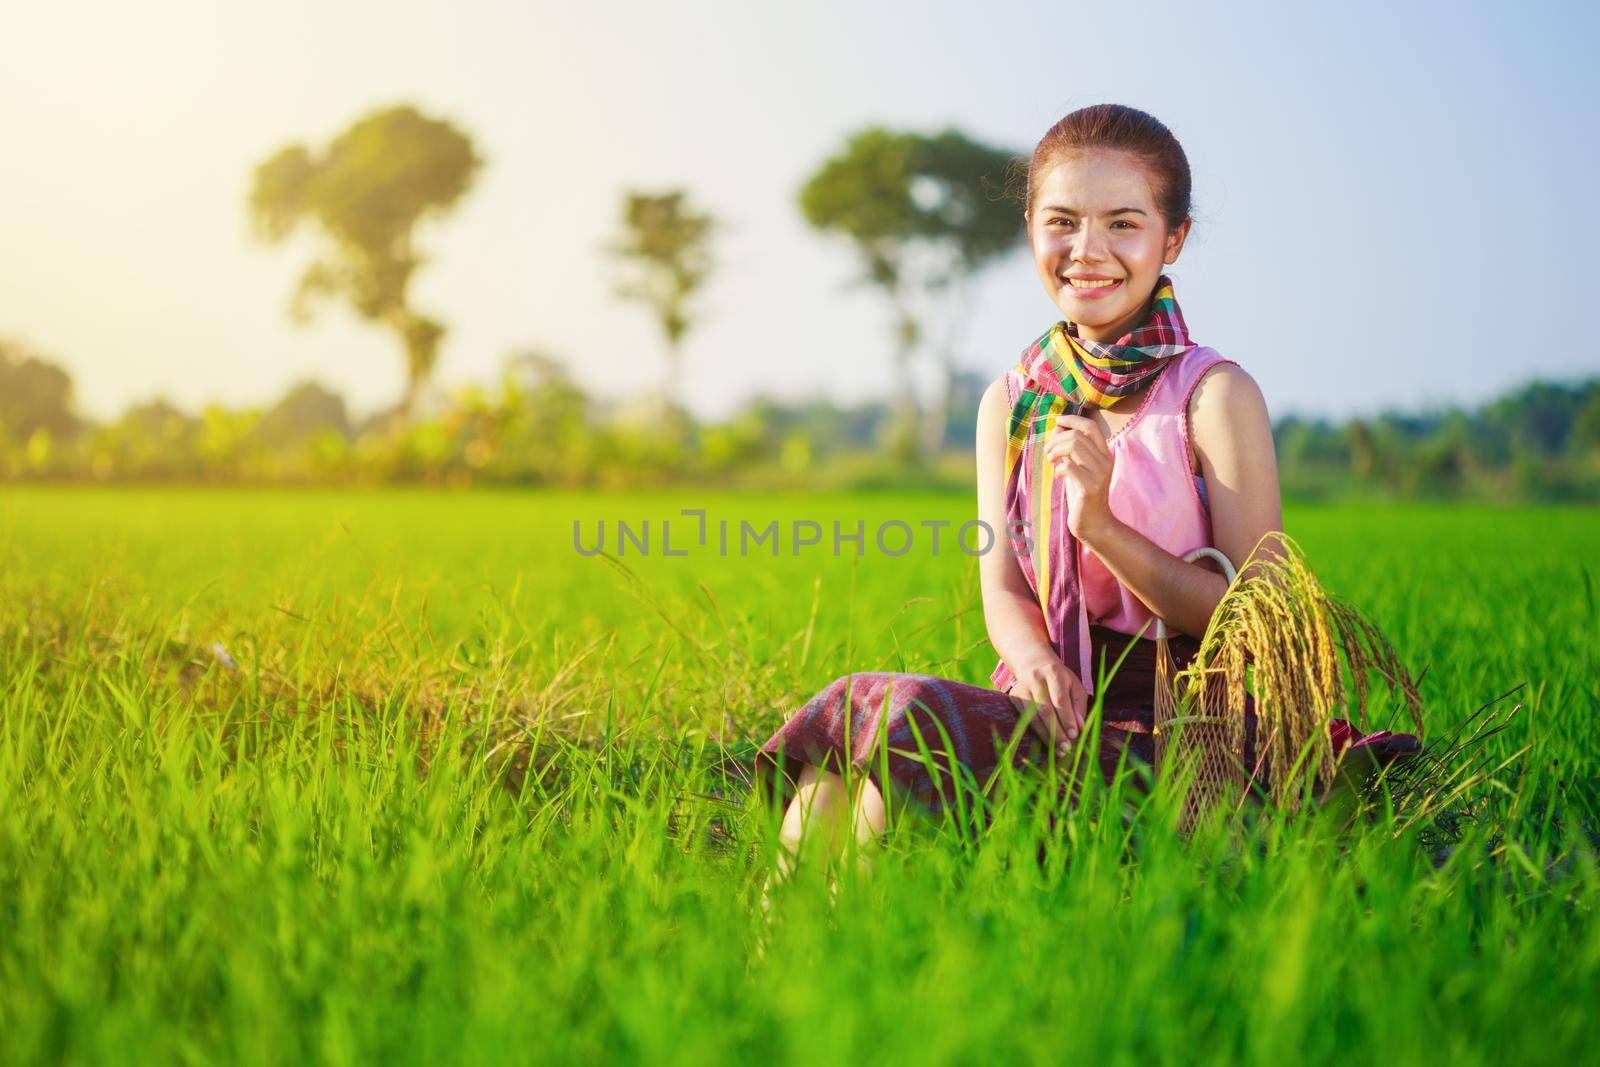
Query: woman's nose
[1088, 245]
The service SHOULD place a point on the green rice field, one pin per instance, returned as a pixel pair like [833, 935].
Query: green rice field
[392, 776]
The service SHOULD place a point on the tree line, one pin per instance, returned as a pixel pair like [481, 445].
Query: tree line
[536, 426]
[924, 215]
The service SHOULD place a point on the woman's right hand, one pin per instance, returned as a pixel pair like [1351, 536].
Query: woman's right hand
[1061, 698]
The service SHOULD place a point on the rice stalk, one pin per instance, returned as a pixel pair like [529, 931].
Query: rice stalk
[1303, 654]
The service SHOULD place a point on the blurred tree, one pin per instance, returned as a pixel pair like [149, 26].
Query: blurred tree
[1586, 426]
[227, 443]
[160, 418]
[1537, 417]
[307, 409]
[1363, 449]
[153, 439]
[1313, 453]
[366, 193]
[972, 224]
[925, 214]
[665, 253]
[544, 417]
[35, 395]
[1443, 459]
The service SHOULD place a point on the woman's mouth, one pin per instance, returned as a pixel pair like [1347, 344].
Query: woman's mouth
[1093, 288]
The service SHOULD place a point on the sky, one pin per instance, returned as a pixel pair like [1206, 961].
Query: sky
[1394, 202]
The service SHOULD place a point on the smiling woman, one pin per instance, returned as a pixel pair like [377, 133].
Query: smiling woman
[1113, 449]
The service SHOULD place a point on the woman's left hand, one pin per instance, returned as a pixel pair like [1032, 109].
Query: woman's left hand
[1081, 456]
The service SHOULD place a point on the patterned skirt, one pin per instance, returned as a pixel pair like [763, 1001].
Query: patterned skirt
[968, 724]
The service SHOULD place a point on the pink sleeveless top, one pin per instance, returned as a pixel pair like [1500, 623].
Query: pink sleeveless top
[1153, 489]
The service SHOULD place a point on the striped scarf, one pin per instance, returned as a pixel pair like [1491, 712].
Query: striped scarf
[1063, 374]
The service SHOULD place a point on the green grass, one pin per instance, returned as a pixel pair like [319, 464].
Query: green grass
[342, 852]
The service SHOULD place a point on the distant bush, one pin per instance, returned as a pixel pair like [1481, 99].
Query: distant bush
[538, 427]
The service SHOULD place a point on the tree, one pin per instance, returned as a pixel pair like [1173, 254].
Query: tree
[925, 215]
[1538, 417]
[306, 409]
[1586, 425]
[366, 193]
[35, 395]
[1363, 449]
[153, 439]
[544, 416]
[665, 255]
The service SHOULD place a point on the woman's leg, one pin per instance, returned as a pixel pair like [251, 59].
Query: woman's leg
[849, 720]
[817, 817]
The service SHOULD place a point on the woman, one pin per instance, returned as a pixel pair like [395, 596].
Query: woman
[1114, 448]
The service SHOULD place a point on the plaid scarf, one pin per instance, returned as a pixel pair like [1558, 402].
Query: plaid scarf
[1062, 374]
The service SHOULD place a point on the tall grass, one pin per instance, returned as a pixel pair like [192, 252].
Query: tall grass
[304, 777]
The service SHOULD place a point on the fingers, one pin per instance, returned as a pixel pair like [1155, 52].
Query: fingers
[1061, 706]
[1080, 704]
[1043, 724]
[1063, 459]
[1060, 712]
[1061, 446]
[1078, 449]
[1045, 720]
[1075, 429]
[1081, 423]
[1025, 711]
[1041, 719]
[1024, 708]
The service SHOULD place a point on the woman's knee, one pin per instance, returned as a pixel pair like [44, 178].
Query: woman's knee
[871, 811]
[819, 795]
[824, 799]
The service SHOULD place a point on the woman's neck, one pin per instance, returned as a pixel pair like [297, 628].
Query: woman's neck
[1117, 330]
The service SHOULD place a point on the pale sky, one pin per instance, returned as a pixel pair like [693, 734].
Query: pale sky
[1395, 202]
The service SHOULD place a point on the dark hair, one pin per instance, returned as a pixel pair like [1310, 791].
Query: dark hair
[1121, 128]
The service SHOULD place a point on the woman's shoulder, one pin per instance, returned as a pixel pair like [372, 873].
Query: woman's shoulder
[1222, 397]
[995, 401]
[1198, 362]
[1219, 380]
[996, 391]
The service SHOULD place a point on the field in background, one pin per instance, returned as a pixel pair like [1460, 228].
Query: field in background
[262, 754]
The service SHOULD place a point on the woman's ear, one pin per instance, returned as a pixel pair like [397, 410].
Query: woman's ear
[1175, 241]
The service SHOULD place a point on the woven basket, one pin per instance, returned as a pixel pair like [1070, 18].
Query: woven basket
[1200, 738]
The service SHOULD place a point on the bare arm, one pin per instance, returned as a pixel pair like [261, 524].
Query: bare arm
[1232, 437]
[1013, 616]
[1183, 594]
[1010, 611]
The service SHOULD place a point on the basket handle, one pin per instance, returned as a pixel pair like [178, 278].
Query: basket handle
[1211, 553]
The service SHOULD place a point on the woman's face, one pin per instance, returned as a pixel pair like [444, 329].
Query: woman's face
[1099, 240]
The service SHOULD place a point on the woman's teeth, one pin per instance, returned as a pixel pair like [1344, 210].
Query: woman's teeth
[1080, 283]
